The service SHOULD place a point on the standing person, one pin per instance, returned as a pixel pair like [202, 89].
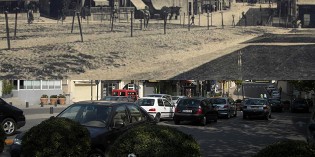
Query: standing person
[30, 14]
[146, 16]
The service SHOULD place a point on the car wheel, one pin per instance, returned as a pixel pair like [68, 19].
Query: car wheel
[235, 114]
[228, 115]
[157, 117]
[96, 153]
[9, 126]
[204, 121]
[177, 122]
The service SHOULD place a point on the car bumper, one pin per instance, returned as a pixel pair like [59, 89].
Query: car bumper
[188, 117]
[223, 112]
[255, 113]
[20, 124]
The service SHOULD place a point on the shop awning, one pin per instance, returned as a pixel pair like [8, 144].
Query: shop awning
[138, 4]
[101, 2]
[306, 2]
[158, 4]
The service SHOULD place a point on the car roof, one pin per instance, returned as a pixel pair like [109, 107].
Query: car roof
[152, 98]
[103, 102]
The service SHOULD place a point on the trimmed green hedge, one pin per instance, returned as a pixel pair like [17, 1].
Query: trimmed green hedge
[287, 148]
[56, 137]
[155, 141]
[2, 139]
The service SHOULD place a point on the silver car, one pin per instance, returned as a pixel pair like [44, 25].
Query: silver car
[225, 106]
[257, 107]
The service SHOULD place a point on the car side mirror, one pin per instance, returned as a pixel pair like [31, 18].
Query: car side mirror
[118, 124]
[311, 127]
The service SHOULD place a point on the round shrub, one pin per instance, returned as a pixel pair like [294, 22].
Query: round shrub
[2, 139]
[287, 148]
[155, 141]
[56, 137]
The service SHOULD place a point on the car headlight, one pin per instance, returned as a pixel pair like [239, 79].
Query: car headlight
[17, 141]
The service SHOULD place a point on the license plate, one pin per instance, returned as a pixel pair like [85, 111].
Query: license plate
[187, 111]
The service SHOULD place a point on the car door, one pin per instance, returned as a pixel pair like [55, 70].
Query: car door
[119, 115]
[136, 116]
[162, 108]
[169, 108]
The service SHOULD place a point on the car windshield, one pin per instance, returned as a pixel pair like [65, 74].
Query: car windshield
[146, 102]
[255, 102]
[88, 114]
[110, 98]
[188, 103]
[218, 101]
[275, 101]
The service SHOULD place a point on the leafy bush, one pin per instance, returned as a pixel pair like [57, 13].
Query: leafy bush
[287, 148]
[56, 137]
[6, 87]
[53, 96]
[44, 96]
[61, 96]
[2, 139]
[155, 141]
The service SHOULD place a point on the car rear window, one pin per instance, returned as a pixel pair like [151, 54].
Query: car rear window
[189, 103]
[255, 102]
[217, 101]
[146, 102]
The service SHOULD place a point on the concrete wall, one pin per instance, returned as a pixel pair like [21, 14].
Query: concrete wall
[33, 96]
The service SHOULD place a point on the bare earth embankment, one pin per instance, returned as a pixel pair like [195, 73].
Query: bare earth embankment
[48, 51]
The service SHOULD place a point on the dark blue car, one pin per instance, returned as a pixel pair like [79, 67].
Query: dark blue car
[104, 120]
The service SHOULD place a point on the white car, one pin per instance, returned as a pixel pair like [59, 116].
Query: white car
[270, 87]
[275, 94]
[157, 107]
[175, 99]
[168, 97]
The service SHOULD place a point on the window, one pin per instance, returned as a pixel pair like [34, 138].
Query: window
[135, 114]
[120, 115]
[146, 102]
[51, 84]
[166, 103]
[160, 102]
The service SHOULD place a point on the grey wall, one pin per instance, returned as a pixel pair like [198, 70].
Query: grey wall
[33, 96]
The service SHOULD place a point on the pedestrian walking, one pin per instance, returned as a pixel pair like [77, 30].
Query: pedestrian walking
[30, 16]
[192, 20]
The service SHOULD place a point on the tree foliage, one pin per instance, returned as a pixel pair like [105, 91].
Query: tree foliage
[303, 85]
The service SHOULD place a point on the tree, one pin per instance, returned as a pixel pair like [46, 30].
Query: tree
[303, 85]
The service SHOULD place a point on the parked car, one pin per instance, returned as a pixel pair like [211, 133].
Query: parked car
[158, 107]
[300, 105]
[225, 105]
[195, 109]
[310, 137]
[168, 97]
[118, 98]
[276, 104]
[257, 107]
[275, 94]
[104, 120]
[238, 104]
[11, 118]
[175, 99]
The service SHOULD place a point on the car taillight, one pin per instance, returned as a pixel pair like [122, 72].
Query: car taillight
[225, 106]
[176, 110]
[199, 111]
[265, 107]
[152, 109]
